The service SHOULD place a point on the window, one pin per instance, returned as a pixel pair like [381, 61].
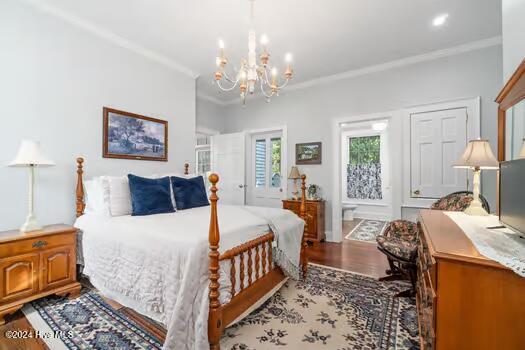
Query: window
[267, 155]
[364, 150]
[260, 163]
[276, 162]
[363, 173]
[203, 156]
[203, 160]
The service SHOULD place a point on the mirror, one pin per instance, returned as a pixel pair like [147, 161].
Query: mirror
[515, 131]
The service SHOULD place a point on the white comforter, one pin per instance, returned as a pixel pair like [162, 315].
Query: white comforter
[158, 264]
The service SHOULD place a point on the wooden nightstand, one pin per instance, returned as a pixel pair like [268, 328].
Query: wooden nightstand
[37, 264]
[314, 229]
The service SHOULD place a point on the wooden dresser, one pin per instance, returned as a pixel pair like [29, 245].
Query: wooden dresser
[36, 264]
[314, 229]
[464, 300]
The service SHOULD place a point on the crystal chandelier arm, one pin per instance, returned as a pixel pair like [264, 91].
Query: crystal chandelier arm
[233, 81]
[266, 80]
[264, 92]
[284, 84]
[226, 89]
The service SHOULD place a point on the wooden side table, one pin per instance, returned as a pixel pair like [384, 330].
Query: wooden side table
[36, 264]
[314, 229]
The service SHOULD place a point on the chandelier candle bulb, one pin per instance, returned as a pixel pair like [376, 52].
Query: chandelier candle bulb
[264, 42]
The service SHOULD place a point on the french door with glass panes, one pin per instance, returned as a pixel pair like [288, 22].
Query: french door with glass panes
[267, 175]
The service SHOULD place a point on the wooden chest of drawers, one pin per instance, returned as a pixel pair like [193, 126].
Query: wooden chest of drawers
[314, 229]
[36, 264]
[464, 300]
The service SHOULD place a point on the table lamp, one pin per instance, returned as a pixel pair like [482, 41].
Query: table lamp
[477, 156]
[294, 175]
[522, 152]
[30, 156]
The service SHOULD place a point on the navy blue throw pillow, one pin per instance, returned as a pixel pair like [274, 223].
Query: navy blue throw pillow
[150, 196]
[189, 193]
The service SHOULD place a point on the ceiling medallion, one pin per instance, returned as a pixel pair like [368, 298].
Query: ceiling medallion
[252, 73]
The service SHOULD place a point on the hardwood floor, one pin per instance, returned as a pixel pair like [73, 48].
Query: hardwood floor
[360, 257]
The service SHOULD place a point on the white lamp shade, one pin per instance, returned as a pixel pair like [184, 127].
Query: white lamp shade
[522, 152]
[29, 154]
[478, 154]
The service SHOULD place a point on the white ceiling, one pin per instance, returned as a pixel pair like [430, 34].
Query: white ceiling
[325, 36]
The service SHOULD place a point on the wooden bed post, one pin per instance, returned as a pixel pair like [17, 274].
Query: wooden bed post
[186, 168]
[80, 187]
[302, 211]
[215, 325]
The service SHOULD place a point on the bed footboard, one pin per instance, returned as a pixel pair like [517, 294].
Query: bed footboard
[255, 281]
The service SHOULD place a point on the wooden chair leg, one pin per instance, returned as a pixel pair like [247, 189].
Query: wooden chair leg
[392, 266]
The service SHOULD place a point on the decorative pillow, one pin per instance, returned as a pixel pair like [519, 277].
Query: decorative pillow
[119, 196]
[150, 196]
[189, 193]
[97, 196]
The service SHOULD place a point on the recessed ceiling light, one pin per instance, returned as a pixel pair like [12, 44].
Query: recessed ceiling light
[439, 20]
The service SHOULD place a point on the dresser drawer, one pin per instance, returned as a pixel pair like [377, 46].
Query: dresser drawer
[35, 245]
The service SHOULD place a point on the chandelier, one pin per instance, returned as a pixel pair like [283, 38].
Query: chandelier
[252, 73]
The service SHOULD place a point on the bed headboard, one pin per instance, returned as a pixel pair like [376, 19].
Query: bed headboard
[80, 202]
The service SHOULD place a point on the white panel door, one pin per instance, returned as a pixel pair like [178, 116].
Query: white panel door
[265, 170]
[437, 140]
[227, 160]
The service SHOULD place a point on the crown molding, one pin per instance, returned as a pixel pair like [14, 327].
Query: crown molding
[109, 36]
[430, 56]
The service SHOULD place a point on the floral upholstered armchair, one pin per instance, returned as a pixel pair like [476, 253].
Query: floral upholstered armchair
[400, 238]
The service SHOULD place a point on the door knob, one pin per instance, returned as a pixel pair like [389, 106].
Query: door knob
[242, 186]
[417, 192]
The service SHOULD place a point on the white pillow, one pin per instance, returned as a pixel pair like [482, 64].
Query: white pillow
[119, 195]
[97, 196]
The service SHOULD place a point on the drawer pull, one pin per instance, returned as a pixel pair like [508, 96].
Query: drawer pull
[39, 244]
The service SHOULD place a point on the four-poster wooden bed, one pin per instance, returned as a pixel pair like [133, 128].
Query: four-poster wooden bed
[261, 280]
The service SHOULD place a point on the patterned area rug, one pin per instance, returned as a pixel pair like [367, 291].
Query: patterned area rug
[367, 230]
[332, 309]
[88, 322]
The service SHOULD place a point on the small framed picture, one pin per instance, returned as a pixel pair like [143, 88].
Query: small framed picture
[308, 153]
[133, 136]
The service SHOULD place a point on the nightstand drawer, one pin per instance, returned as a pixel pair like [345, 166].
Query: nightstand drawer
[35, 245]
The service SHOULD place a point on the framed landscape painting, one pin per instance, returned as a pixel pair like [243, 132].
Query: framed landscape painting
[308, 153]
[133, 136]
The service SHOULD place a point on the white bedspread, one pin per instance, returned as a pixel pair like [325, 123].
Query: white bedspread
[158, 264]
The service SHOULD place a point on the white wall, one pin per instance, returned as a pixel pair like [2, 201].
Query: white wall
[513, 35]
[210, 116]
[308, 112]
[55, 79]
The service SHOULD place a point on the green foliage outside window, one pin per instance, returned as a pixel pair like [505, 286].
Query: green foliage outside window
[276, 155]
[364, 150]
